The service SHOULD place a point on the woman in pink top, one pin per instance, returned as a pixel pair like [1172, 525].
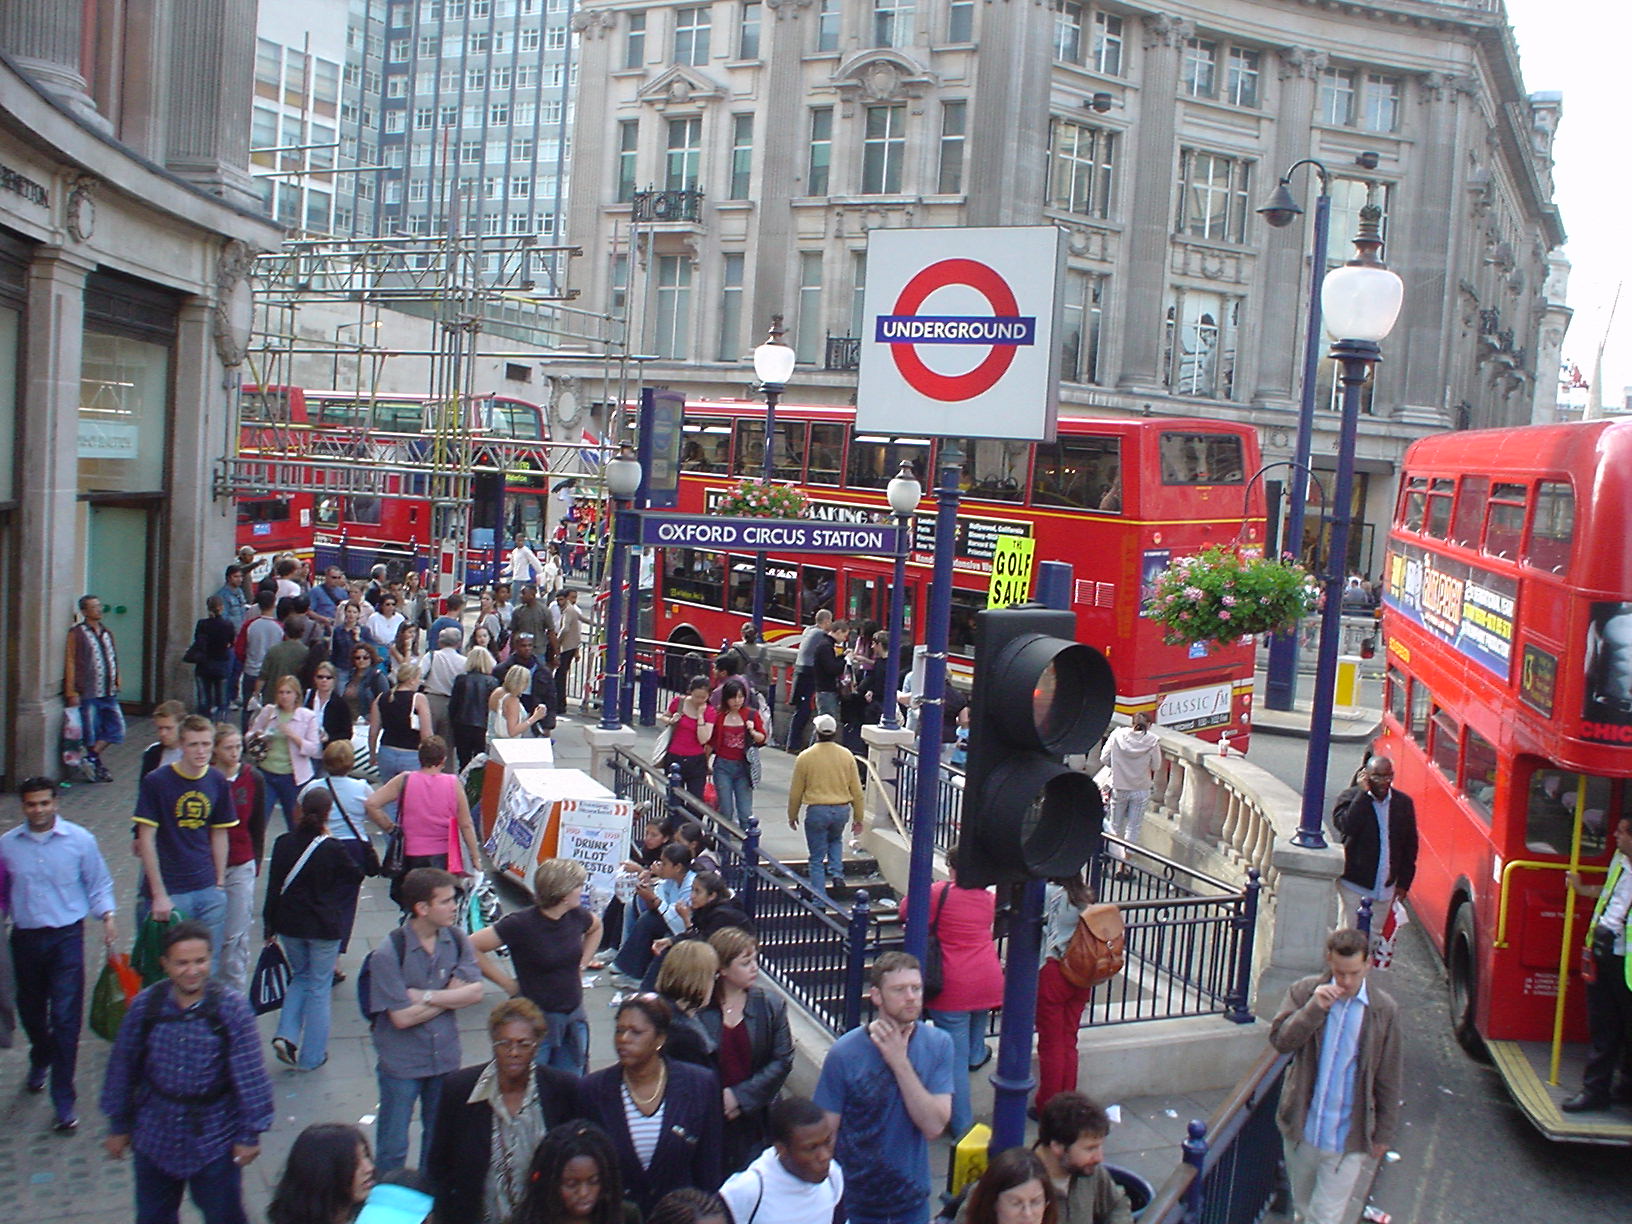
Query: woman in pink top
[685, 716]
[435, 816]
[972, 982]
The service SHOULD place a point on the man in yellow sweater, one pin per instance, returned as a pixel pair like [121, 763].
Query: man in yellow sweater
[826, 777]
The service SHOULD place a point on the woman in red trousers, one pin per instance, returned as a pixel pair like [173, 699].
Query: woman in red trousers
[1059, 1004]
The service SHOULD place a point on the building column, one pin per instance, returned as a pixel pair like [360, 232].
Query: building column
[1150, 210]
[46, 38]
[53, 334]
[212, 52]
[782, 170]
[1007, 161]
[1282, 288]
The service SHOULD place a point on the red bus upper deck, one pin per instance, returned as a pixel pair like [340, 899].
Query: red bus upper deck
[1116, 498]
[1508, 614]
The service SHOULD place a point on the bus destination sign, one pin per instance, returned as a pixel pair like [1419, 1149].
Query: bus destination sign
[766, 534]
[1469, 608]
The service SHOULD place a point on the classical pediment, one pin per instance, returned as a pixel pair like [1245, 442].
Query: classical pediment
[681, 87]
[883, 75]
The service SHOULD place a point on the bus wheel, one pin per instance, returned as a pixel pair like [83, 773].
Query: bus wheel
[1461, 964]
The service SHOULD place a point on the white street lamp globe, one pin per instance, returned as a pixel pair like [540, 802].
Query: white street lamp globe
[904, 491]
[773, 363]
[623, 474]
[1361, 301]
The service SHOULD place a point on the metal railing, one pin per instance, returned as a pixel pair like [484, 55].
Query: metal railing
[948, 798]
[1230, 1169]
[813, 950]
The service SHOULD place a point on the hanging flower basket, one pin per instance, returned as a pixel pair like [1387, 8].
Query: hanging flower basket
[1220, 596]
[750, 498]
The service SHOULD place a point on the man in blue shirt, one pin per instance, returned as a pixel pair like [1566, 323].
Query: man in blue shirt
[1340, 1103]
[57, 879]
[187, 1087]
[327, 596]
[888, 1088]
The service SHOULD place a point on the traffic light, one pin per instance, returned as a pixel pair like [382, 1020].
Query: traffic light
[1038, 695]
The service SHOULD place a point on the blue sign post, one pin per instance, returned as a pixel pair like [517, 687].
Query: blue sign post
[767, 534]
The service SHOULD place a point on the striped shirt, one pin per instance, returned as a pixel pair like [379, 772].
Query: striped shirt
[1331, 1106]
[644, 1132]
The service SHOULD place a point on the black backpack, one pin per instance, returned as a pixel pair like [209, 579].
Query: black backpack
[365, 977]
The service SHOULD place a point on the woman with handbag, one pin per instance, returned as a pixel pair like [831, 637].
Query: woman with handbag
[211, 657]
[433, 817]
[971, 981]
[349, 819]
[311, 884]
[1059, 1004]
[287, 739]
[732, 731]
[399, 722]
[683, 723]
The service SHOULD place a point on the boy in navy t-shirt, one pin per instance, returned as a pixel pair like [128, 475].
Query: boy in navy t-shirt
[183, 812]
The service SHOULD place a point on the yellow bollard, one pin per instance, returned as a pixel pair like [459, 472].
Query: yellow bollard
[969, 1157]
[1348, 681]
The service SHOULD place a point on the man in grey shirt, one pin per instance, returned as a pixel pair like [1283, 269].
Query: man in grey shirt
[441, 668]
[418, 978]
[804, 680]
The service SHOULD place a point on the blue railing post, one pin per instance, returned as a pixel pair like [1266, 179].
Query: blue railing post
[855, 965]
[748, 885]
[1195, 1155]
[1362, 919]
[1013, 1082]
[1246, 922]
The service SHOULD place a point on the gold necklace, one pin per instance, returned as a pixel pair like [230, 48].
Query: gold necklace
[662, 1083]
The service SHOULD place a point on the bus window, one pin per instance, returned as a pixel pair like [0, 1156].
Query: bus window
[342, 412]
[1396, 683]
[1081, 472]
[1479, 773]
[1439, 508]
[781, 588]
[707, 448]
[403, 416]
[818, 588]
[1550, 819]
[994, 469]
[693, 576]
[961, 632]
[1504, 525]
[826, 455]
[1413, 503]
[264, 408]
[1201, 459]
[328, 511]
[1443, 735]
[364, 510]
[274, 510]
[1553, 527]
[788, 454]
[1471, 500]
[515, 419]
[1418, 726]
[524, 514]
[874, 461]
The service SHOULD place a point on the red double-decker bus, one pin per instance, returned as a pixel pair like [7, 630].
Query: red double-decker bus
[1116, 499]
[1508, 614]
[392, 521]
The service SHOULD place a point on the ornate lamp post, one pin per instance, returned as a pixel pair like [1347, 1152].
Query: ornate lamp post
[622, 483]
[773, 366]
[904, 493]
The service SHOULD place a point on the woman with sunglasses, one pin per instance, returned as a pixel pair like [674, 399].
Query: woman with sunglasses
[380, 629]
[346, 637]
[334, 716]
[492, 1118]
[365, 681]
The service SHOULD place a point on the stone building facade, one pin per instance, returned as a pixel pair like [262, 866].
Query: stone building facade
[731, 158]
[127, 225]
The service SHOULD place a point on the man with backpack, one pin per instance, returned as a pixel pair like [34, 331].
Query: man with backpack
[795, 1180]
[409, 989]
[186, 1088]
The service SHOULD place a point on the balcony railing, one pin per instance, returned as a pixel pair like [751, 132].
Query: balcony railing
[684, 204]
[843, 353]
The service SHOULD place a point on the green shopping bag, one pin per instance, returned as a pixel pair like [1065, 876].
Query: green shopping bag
[115, 987]
[144, 957]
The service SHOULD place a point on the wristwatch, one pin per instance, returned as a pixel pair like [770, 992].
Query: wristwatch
[425, 997]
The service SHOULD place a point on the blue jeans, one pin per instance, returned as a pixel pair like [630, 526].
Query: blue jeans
[736, 791]
[397, 1097]
[50, 968]
[390, 762]
[966, 1028]
[206, 905]
[305, 1016]
[101, 721]
[287, 794]
[210, 696]
[824, 838]
[635, 957]
[217, 1191]
[566, 1045]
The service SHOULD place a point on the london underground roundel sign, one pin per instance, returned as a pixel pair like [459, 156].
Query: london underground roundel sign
[961, 345]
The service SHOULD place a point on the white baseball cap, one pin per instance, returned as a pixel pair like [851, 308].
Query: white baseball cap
[824, 724]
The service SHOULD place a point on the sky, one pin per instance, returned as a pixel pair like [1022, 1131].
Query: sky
[1578, 48]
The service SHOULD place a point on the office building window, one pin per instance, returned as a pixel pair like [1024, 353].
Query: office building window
[673, 306]
[821, 151]
[397, 51]
[498, 114]
[1214, 200]
[428, 45]
[424, 118]
[1200, 79]
[883, 150]
[619, 279]
[526, 76]
[421, 155]
[1068, 31]
[1241, 79]
[685, 154]
[807, 344]
[470, 152]
[1337, 97]
[394, 120]
[501, 78]
[634, 42]
[949, 180]
[528, 40]
[521, 150]
[691, 31]
[397, 87]
[828, 20]
[960, 21]
[731, 307]
[449, 115]
[748, 30]
[1107, 44]
[1081, 166]
[1380, 103]
[742, 156]
[892, 23]
[1200, 344]
[555, 38]
[1081, 313]
[858, 292]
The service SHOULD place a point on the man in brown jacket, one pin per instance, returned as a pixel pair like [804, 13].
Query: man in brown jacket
[1340, 1104]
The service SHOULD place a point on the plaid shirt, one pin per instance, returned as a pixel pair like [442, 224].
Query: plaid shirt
[183, 1058]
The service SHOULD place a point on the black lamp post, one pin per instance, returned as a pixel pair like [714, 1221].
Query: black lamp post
[1361, 300]
[622, 483]
[773, 366]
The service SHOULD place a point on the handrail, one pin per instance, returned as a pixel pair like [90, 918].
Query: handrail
[1532, 865]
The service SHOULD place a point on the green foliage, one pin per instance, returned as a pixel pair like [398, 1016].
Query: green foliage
[751, 498]
[1220, 596]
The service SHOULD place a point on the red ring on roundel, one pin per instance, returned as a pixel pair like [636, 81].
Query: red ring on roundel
[991, 286]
